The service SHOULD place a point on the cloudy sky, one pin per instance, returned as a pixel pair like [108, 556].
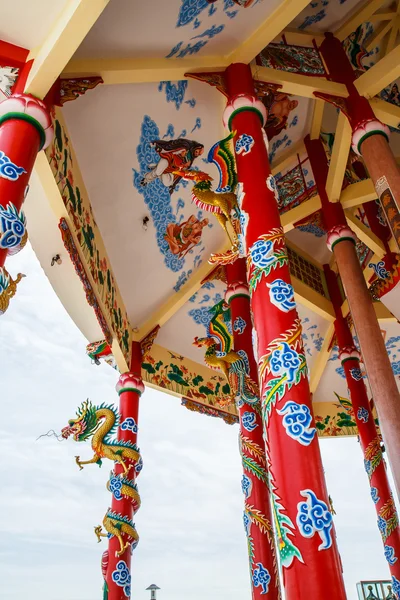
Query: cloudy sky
[190, 523]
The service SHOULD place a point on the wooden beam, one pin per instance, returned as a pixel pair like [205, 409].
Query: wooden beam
[379, 33]
[177, 300]
[357, 193]
[321, 361]
[379, 76]
[365, 235]
[66, 35]
[383, 314]
[318, 113]
[357, 17]
[305, 209]
[288, 157]
[382, 16]
[297, 84]
[276, 21]
[339, 157]
[297, 37]
[309, 298]
[142, 70]
[391, 42]
[386, 112]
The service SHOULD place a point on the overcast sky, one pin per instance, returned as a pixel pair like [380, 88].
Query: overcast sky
[192, 541]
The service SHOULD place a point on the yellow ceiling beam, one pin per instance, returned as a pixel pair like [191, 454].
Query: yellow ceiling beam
[177, 300]
[142, 70]
[386, 112]
[321, 361]
[339, 157]
[380, 75]
[297, 84]
[383, 314]
[383, 16]
[359, 16]
[66, 35]
[288, 157]
[391, 42]
[357, 193]
[378, 35]
[365, 235]
[280, 18]
[317, 116]
[297, 37]
[309, 298]
[305, 209]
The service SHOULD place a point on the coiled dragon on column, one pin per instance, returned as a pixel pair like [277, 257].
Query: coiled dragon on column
[100, 423]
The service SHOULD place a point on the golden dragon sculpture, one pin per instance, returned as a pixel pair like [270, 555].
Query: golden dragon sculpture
[8, 288]
[99, 423]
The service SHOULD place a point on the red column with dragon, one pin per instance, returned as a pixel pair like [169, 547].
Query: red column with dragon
[25, 128]
[374, 463]
[304, 525]
[257, 514]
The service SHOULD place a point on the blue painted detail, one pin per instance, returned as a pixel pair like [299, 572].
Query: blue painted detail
[363, 414]
[244, 144]
[368, 467]
[247, 486]
[181, 51]
[281, 295]
[311, 228]
[129, 424]
[293, 123]
[396, 587]
[122, 577]
[380, 269]
[356, 374]
[276, 145]
[314, 516]
[262, 253]
[196, 23]
[261, 578]
[190, 10]
[210, 33]
[115, 483]
[246, 523]
[12, 226]
[312, 19]
[182, 279]
[297, 420]
[285, 361]
[239, 325]
[374, 495]
[382, 525]
[390, 556]
[170, 132]
[192, 104]
[202, 315]
[139, 465]
[175, 92]
[9, 170]
[197, 125]
[249, 421]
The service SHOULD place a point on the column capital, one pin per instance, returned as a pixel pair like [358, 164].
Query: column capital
[30, 109]
[349, 353]
[239, 288]
[364, 129]
[340, 233]
[244, 102]
[128, 382]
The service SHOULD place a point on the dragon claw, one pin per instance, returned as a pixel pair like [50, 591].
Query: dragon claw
[78, 463]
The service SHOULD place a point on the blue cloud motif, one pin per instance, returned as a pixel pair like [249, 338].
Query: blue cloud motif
[297, 420]
[281, 295]
[8, 170]
[382, 526]
[139, 465]
[246, 522]
[12, 226]
[239, 325]
[396, 587]
[122, 577]
[244, 144]
[129, 424]
[285, 361]
[262, 254]
[115, 484]
[367, 466]
[175, 92]
[314, 516]
[356, 374]
[247, 486]
[249, 421]
[261, 578]
[375, 495]
[363, 414]
[390, 556]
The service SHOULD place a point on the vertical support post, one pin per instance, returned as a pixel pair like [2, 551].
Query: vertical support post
[341, 241]
[125, 500]
[370, 137]
[25, 128]
[306, 544]
[374, 462]
[257, 507]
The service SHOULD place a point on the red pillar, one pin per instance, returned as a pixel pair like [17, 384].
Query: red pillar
[257, 512]
[125, 500]
[25, 128]
[370, 443]
[307, 543]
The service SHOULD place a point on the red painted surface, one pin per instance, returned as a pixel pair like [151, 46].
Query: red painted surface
[128, 407]
[20, 141]
[313, 569]
[368, 434]
[259, 496]
[11, 55]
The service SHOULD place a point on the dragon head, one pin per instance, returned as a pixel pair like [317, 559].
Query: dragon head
[84, 425]
[196, 176]
[204, 341]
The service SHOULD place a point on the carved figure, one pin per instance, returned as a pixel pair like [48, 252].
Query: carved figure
[278, 107]
[8, 288]
[100, 422]
[182, 238]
